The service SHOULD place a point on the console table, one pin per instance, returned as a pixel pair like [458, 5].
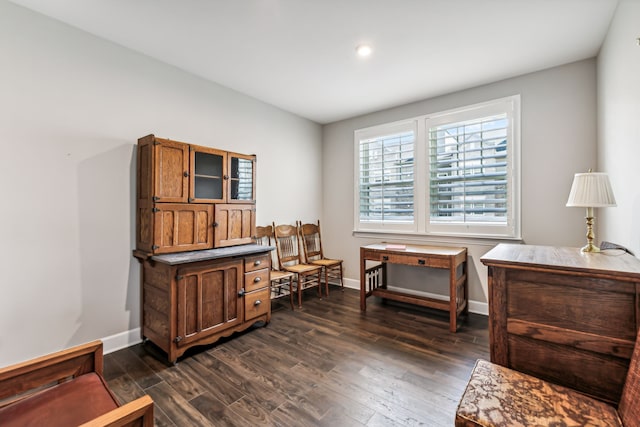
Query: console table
[373, 280]
[565, 316]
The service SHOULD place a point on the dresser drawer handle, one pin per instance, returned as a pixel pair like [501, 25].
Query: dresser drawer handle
[256, 280]
[258, 302]
[257, 263]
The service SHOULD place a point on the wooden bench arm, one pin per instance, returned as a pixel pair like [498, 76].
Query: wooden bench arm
[52, 368]
[139, 413]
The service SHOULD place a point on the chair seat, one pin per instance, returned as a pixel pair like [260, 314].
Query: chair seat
[498, 396]
[68, 404]
[302, 268]
[326, 262]
[278, 275]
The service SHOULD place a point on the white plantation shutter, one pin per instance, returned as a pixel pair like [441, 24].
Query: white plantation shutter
[468, 170]
[386, 178]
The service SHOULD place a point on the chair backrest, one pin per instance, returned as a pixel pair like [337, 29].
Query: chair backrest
[264, 234]
[287, 246]
[311, 240]
[629, 407]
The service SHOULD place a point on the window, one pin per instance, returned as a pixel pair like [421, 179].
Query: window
[451, 173]
[386, 177]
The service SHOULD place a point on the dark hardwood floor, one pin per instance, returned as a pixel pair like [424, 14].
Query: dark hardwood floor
[325, 365]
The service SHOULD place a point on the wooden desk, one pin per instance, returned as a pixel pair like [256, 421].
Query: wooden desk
[373, 281]
[563, 315]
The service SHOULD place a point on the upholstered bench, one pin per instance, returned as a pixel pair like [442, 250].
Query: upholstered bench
[498, 396]
[66, 389]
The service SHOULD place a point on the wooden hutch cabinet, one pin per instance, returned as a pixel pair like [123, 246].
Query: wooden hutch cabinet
[192, 197]
[202, 276]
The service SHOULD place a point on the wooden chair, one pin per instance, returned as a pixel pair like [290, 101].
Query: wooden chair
[281, 281]
[498, 396]
[290, 259]
[312, 246]
[66, 388]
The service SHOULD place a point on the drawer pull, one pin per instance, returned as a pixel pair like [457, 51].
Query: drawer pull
[258, 302]
[241, 292]
[257, 263]
[421, 262]
[256, 280]
[385, 258]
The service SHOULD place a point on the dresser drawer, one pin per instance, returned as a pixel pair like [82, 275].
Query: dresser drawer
[257, 279]
[256, 304]
[256, 262]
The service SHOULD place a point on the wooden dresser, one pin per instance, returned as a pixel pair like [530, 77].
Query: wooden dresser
[564, 316]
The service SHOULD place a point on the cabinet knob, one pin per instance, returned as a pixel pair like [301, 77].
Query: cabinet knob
[258, 302]
[257, 263]
[226, 177]
[256, 280]
[241, 292]
[186, 174]
[215, 224]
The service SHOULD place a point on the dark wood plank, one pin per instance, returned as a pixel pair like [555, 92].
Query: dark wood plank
[327, 364]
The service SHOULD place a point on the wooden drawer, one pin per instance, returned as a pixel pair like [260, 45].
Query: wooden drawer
[425, 261]
[256, 279]
[256, 304]
[256, 262]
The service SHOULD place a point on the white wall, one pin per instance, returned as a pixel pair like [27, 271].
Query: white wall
[71, 109]
[558, 139]
[619, 126]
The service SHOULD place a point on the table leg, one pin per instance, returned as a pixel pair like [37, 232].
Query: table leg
[363, 292]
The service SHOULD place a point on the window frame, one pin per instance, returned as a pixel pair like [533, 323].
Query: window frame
[381, 132]
[422, 224]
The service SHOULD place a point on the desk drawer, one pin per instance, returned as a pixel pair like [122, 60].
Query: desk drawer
[417, 260]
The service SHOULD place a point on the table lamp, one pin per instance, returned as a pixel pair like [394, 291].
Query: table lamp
[591, 190]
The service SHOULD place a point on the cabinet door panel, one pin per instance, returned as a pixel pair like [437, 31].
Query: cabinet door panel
[208, 300]
[171, 169]
[236, 224]
[182, 227]
[207, 180]
[242, 178]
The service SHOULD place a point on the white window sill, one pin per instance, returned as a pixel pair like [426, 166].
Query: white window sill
[422, 238]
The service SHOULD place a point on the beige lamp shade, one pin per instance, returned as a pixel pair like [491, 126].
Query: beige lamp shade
[591, 190]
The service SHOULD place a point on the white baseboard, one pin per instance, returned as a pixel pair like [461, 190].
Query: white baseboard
[476, 307]
[122, 340]
[134, 336]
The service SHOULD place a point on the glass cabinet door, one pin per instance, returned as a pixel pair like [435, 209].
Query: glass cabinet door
[241, 178]
[207, 176]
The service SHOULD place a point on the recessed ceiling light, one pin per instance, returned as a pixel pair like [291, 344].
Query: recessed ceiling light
[363, 50]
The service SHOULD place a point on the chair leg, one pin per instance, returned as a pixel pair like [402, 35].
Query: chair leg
[341, 279]
[291, 292]
[299, 291]
[326, 281]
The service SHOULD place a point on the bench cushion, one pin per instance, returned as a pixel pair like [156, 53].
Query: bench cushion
[67, 404]
[498, 396]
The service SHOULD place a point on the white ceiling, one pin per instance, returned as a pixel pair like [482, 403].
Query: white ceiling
[299, 55]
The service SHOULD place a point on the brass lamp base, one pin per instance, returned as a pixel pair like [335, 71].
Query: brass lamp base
[590, 247]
